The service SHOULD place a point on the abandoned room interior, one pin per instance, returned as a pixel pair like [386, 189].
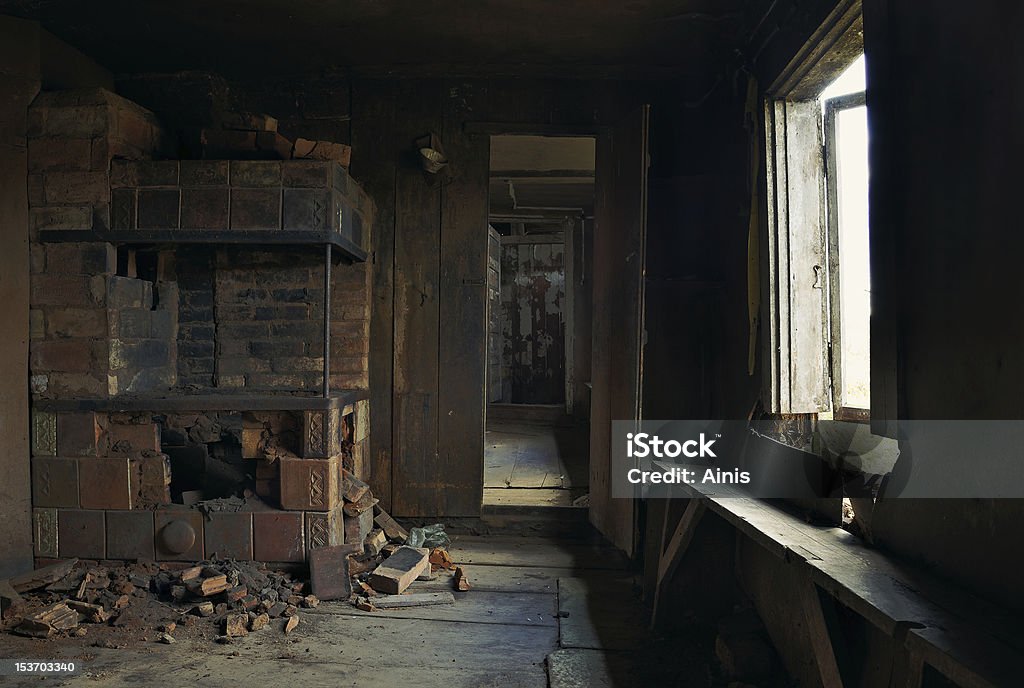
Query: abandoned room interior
[325, 325]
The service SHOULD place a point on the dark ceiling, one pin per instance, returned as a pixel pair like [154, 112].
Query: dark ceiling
[550, 36]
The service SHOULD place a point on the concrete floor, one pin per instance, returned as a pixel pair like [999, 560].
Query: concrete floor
[534, 465]
[541, 613]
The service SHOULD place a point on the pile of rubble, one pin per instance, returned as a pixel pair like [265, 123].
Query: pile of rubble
[225, 599]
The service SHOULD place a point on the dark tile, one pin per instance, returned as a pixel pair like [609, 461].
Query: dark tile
[44, 532]
[204, 208]
[278, 536]
[130, 535]
[156, 172]
[54, 482]
[179, 535]
[306, 209]
[325, 528]
[310, 174]
[104, 484]
[122, 210]
[255, 208]
[229, 535]
[81, 534]
[158, 208]
[79, 434]
[204, 173]
[250, 173]
[309, 484]
[358, 527]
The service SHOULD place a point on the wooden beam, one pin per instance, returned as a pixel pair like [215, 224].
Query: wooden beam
[673, 553]
[818, 634]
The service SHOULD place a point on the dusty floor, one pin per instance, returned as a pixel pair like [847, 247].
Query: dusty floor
[541, 612]
[534, 465]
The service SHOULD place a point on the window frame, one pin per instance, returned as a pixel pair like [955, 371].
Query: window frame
[832, 107]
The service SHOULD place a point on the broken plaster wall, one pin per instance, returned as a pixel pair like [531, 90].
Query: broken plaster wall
[533, 307]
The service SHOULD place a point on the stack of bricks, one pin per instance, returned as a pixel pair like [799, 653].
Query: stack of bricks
[309, 487]
[101, 491]
[78, 349]
[219, 195]
[268, 307]
[96, 480]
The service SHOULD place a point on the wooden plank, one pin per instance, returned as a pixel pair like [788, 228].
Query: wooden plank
[463, 306]
[530, 496]
[675, 549]
[477, 607]
[345, 650]
[418, 486]
[374, 108]
[602, 614]
[535, 551]
[416, 599]
[619, 259]
[520, 579]
[818, 636]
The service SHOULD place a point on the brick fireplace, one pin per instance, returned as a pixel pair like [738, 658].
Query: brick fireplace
[199, 343]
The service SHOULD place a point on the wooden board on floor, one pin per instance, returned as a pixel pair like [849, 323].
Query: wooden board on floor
[535, 551]
[327, 651]
[511, 496]
[523, 579]
[475, 606]
[602, 614]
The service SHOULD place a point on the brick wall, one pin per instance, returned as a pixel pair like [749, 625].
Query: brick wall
[80, 345]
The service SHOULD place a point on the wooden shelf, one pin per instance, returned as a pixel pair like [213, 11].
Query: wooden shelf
[340, 246]
[207, 402]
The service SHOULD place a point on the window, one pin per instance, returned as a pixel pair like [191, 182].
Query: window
[816, 317]
[849, 299]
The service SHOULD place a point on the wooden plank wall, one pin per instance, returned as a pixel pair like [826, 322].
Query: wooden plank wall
[428, 327]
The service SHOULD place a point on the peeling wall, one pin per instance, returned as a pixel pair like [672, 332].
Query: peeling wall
[533, 323]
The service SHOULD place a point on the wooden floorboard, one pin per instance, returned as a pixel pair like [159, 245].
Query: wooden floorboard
[528, 579]
[525, 551]
[479, 607]
[600, 614]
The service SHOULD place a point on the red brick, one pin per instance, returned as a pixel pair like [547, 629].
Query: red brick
[66, 355]
[229, 535]
[80, 434]
[104, 484]
[177, 521]
[81, 534]
[54, 482]
[278, 536]
[130, 535]
[309, 484]
[132, 439]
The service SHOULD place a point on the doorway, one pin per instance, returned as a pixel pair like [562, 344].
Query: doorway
[539, 237]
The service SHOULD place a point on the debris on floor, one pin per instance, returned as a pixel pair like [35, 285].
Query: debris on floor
[117, 603]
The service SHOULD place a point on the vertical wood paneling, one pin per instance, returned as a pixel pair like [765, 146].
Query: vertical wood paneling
[374, 104]
[463, 284]
[418, 486]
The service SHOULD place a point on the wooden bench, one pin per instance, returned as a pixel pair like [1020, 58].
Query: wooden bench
[970, 641]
